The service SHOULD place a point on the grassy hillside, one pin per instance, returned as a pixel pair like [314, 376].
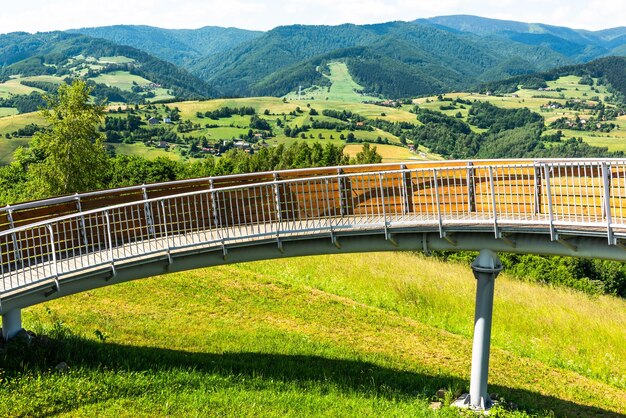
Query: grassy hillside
[342, 87]
[236, 126]
[59, 53]
[350, 335]
[560, 90]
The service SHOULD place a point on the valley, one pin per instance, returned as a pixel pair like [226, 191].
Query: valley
[375, 334]
[274, 121]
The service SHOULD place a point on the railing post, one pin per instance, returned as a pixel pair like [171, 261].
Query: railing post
[405, 189]
[54, 256]
[439, 216]
[83, 228]
[494, 207]
[382, 197]
[553, 235]
[216, 218]
[278, 208]
[167, 240]
[471, 188]
[109, 241]
[340, 181]
[537, 190]
[606, 181]
[148, 210]
[17, 247]
[214, 207]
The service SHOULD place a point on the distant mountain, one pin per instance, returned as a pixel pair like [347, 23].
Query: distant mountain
[577, 44]
[52, 53]
[393, 59]
[179, 46]
[376, 55]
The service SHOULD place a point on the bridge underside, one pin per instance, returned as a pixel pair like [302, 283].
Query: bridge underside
[424, 240]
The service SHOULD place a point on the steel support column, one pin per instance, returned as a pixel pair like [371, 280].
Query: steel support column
[11, 323]
[486, 268]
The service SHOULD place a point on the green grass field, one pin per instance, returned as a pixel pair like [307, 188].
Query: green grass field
[7, 111]
[124, 80]
[345, 335]
[343, 87]
[8, 147]
[140, 150]
[118, 59]
[10, 124]
[13, 86]
[13, 122]
[120, 79]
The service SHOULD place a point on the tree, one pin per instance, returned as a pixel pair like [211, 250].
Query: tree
[72, 157]
[368, 155]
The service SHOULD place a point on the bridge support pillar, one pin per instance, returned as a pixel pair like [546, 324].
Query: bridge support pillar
[11, 323]
[486, 268]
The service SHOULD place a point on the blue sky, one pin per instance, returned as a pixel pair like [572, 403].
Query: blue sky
[45, 15]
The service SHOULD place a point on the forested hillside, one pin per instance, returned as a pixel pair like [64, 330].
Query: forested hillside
[610, 70]
[394, 59]
[576, 44]
[53, 53]
[178, 46]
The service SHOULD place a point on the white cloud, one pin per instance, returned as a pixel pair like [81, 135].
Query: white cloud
[41, 15]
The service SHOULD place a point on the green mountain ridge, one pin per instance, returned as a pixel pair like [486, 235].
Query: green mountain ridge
[406, 49]
[49, 53]
[178, 46]
[577, 44]
[393, 59]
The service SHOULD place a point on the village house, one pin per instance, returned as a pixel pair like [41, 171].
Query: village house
[241, 144]
[153, 121]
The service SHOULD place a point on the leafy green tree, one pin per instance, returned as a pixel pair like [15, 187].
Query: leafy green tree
[368, 155]
[72, 157]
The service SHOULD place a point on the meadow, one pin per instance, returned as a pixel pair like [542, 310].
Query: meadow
[346, 98]
[568, 87]
[141, 150]
[343, 335]
[343, 87]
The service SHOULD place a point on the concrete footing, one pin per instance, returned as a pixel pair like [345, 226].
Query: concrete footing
[11, 323]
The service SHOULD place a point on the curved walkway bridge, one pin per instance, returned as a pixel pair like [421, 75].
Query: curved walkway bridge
[56, 247]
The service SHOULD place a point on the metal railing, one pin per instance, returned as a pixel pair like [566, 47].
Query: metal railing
[577, 196]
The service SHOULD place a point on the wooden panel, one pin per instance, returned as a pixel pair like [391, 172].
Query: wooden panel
[4, 221]
[100, 201]
[29, 216]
